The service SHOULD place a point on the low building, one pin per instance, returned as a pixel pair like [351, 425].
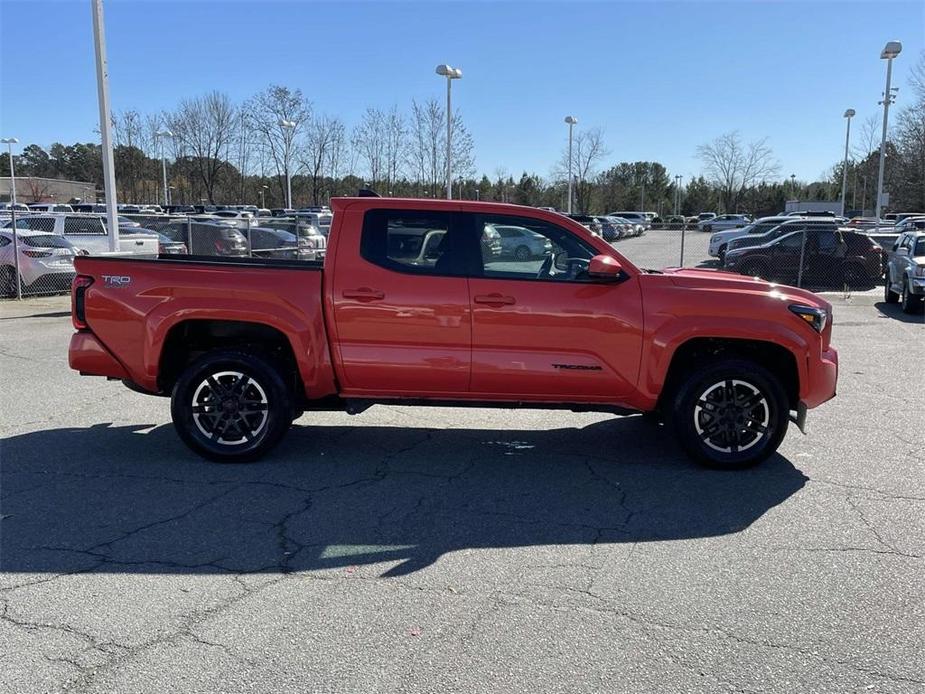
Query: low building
[31, 189]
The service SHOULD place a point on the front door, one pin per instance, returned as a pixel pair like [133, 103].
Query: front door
[540, 326]
[401, 306]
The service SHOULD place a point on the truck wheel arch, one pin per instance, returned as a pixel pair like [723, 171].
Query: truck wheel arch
[188, 339]
[774, 357]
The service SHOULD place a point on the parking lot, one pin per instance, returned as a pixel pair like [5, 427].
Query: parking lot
[418, 549]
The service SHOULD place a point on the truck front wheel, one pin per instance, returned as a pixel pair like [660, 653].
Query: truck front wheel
[731, 413]
[231, 406]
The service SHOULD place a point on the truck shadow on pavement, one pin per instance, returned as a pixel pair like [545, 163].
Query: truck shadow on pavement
[134, 500]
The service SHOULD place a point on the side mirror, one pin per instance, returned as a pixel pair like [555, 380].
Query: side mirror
[604, 267]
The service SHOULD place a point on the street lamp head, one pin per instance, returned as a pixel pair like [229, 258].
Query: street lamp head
[453, 73]
[283, 123]
[891, 50]
[849, 113]
[9, 141]
[571, 120]
[164, 133]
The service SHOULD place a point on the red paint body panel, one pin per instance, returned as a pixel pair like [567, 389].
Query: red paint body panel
[360, 330]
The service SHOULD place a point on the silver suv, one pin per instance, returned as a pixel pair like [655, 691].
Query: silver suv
[905, 271]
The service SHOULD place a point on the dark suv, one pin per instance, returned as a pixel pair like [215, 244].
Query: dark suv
[828, 257]
[782, 229]
[207, 238]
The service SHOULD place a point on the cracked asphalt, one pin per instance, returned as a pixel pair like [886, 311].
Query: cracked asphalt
[457, 550]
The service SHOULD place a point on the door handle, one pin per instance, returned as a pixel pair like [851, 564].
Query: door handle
[494, 299]
[364, 294]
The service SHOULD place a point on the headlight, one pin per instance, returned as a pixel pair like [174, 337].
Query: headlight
[920, 271]
[816, 317]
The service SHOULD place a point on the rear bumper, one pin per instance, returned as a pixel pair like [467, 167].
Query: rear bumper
[88, 356]
[823, 377]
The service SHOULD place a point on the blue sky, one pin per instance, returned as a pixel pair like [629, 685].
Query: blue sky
[659, 77]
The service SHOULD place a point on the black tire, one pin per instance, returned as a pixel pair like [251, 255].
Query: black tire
[8, 281]
[910, 302]
[746, 429]
[239, 391]
[707, 228]
[889, 296]
[522, 253]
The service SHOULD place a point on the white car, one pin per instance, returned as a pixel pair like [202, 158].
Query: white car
[633, 217]
[722, 222]
[721, 239]
[88, 232]
[46, 262]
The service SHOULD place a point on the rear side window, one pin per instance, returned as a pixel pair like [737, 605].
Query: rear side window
[84, 226]
[420, 242]
[45, 241]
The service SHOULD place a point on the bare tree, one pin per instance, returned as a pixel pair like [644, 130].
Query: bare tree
[205, 126]
[732, 166]
[318, 156]
[868, 138]
[588, 150]
[269, 111]
[427, 146]
[369, 140]
[395, 135]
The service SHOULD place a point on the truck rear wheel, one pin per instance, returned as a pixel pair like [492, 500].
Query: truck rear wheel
[231, 406]
[730, 414]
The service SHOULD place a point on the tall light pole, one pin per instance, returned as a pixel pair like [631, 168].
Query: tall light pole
[451, 73]
[9, 142]
[849, 114]
[160, 135]
[572, 121]
[793, 186]
[677, 193]
[890, 51]
[263, 203]
[102, 88]
[288, 127]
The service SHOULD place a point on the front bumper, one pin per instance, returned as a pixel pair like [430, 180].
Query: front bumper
[822, 378]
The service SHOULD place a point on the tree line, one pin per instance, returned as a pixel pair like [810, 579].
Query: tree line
[221, 152]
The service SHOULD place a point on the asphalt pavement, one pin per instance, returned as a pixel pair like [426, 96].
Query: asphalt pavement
[459, 550]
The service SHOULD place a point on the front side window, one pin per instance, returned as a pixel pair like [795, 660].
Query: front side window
[791, 243]
[532, 250]
[419, 242]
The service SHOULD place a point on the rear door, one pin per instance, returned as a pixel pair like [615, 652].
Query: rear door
[401, 305]
[546, 329]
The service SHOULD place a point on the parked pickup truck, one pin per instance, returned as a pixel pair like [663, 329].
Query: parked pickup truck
[244, 346]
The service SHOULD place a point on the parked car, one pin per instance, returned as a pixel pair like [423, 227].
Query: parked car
[704, 216]
[909, 224]
[90, 207]
[721, 239]
[830, 257]
[181, 209]
[267, 242]
[782, 229]
[905, 271]
[675, 221]
[520, 243]
[87, 232]
[614, 229]
[7, 207]
[897, 217]
[207, 237]
[318, 217]
[46, 261]
[729, 361]
[862, 223]
[129, 209]
[589, 222]
[723, 222]
[282, 212]
[634, 217]
[49, 207]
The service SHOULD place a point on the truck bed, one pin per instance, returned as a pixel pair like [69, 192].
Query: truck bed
[135, 305]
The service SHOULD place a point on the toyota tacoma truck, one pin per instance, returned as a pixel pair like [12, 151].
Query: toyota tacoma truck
[413, 304]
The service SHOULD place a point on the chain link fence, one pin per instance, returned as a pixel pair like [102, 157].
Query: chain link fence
[40, 250]
[819, 254]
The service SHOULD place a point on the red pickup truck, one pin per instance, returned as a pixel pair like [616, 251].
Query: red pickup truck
[426, 302]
